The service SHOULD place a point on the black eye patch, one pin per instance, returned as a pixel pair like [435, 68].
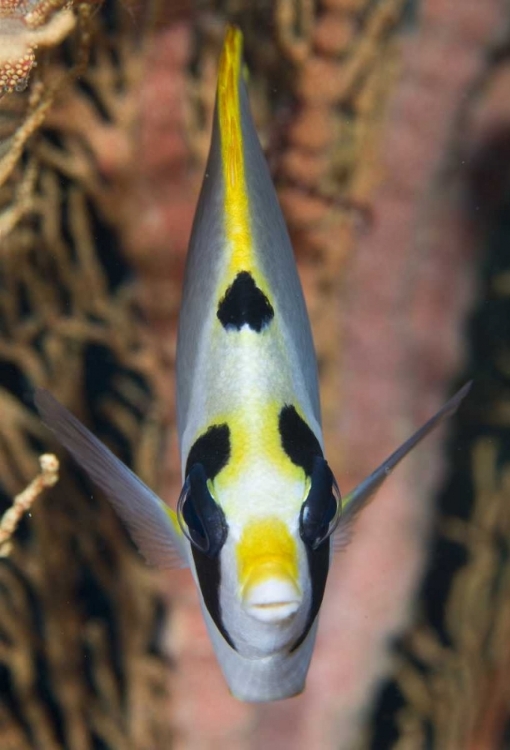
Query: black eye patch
[319, 512]
[244, 304]
[204, 521]
[212, 450]
[298, 440]
[317, 521]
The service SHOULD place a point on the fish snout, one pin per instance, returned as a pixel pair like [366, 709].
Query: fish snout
[268, 571]
[271, 597]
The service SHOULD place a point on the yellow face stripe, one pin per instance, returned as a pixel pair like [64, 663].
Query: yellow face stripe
[266, 550]
[237, 224]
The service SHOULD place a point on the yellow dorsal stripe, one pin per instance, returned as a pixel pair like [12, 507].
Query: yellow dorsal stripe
[237, 224]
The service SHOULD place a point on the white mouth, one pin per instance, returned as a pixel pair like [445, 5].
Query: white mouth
[272, 601]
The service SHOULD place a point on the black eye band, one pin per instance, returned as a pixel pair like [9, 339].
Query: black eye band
[320, 512]
[201, 519]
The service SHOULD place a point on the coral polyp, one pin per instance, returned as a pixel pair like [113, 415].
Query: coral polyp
[26, 25]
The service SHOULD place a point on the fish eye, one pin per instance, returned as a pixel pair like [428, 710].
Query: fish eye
[190, 523]
[321, 510]
[201, 519]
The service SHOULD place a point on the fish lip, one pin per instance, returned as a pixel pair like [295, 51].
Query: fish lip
[274, 611]
[272, 600]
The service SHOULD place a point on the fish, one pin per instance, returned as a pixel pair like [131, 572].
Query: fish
[260, 514]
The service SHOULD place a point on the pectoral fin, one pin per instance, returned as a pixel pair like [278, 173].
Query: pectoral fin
[151, 524]
[356, 500]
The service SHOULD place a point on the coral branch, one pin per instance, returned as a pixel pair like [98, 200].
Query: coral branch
[24, 501]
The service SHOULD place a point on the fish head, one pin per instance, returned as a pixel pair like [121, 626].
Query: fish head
[261, 572]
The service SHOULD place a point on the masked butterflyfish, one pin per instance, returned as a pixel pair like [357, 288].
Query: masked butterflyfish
[260, 512]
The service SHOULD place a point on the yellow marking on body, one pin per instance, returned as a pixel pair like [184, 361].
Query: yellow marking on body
[236, 199]
[172, 515]
[237, 223]
[254, 436]
[266, 550]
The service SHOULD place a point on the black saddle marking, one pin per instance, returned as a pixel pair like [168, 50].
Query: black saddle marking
[244, 304]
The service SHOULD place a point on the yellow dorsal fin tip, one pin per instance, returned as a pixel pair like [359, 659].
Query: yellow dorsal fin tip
[231, 136]
[228, 95]
[231, 55]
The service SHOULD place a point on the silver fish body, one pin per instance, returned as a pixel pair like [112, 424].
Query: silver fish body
[260, 512]
[245, 353]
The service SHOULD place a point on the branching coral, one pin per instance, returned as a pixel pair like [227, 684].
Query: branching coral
[451, 686]
[457, 692]
[26, 25]
[21, 25]
[80, 613]
[24, 501]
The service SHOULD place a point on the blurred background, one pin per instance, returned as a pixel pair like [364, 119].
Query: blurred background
[386, 124]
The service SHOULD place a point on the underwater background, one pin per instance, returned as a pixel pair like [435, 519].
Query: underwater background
[386, 124]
